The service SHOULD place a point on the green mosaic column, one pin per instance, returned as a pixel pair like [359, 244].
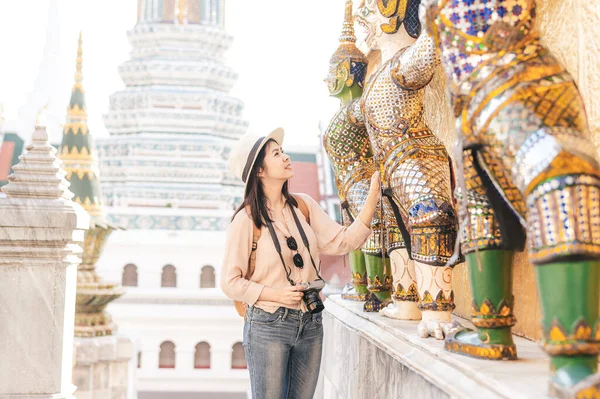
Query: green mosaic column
[569, 296]
[359, 277]
[379, 278]
[490, 275]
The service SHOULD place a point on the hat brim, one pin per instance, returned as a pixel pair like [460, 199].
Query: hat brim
[277, 136]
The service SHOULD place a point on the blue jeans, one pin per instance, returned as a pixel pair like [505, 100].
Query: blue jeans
[283, 351]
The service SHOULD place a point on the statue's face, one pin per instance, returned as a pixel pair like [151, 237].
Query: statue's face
[338, 77]
[370, 20]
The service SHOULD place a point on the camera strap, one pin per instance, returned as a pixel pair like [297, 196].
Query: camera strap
[273, 235]
[304, 239]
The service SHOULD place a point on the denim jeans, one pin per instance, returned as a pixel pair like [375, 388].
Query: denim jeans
[283, 351]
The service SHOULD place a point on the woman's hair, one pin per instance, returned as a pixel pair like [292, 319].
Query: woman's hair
[254, 197]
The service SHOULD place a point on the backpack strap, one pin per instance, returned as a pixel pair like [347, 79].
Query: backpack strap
[252, 263]
[303, 208]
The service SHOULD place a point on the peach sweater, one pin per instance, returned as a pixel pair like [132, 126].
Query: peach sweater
[324, 236]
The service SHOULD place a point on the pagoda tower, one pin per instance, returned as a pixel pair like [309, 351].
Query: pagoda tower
[165, 179]
[77, 153]
[172, 127]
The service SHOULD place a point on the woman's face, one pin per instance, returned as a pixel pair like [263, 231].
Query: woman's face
[277, 165]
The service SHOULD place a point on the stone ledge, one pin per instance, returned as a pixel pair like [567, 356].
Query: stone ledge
[356, 343]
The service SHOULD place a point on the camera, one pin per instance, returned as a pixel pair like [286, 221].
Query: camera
[311, 297]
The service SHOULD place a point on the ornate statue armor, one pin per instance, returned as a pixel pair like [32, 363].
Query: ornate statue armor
[416, 168]
[528, 166]
[348, 147]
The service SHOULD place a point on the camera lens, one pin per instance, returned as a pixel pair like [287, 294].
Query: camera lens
[313, 302]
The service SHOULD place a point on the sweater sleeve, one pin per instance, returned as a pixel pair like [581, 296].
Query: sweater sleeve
[333, 238]
[235, 263]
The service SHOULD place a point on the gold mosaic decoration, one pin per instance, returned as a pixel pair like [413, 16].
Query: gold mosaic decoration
[522, 115]
[488, 316]
[415, 163]
[409, 295]
[490, 351]
[440, 303]
[376, 285]
[581, 341]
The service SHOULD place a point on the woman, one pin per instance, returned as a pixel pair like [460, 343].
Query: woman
[282, 340]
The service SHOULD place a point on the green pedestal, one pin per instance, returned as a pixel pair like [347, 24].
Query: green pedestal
[569, 296]
[379, 283]
[490, 275]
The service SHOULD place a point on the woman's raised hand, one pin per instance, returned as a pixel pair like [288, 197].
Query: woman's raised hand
[370, 205]
[375, 188]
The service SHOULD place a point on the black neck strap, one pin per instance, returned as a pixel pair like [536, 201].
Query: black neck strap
[304, 239]
[288, 271]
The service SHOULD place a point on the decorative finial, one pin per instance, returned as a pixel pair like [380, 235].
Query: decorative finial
[348, 27]
[347, 48]
[78, 73]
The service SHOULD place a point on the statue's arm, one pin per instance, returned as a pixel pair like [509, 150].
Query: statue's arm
[413, 69]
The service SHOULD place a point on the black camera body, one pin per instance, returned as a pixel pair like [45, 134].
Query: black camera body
[311, 297]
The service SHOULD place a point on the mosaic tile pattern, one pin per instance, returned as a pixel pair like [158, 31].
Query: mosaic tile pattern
[415, 163]
[523, 113]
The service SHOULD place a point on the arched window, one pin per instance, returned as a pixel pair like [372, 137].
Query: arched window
[207, 277]
[169, 276]
[202, 357]
[139, 365]
[238, 358]
[166, 359]
[130, 276]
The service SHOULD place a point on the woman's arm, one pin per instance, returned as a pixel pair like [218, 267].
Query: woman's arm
[334, 239]
[368, 211]
[238, 247]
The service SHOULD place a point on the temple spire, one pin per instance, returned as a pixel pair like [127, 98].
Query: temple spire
[347, 48]
[76, 150]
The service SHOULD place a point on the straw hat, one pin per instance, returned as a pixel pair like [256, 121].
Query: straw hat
[244, 153]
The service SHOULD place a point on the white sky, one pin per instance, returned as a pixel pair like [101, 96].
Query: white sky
[281, 51]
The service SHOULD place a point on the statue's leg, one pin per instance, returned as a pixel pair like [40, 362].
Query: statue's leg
[379, 283]
[421, 185]
[489, 262]
[404, 293]
[437, 300]
[564, 227]
[358, 290]
[379, 278]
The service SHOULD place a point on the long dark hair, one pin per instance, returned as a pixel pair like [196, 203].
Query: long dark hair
[254, 197]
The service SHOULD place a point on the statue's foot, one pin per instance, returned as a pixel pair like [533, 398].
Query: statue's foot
[402, 310]
[373, 304]
[436, 328]
[575, 381]
[497, 343]
[436, 324]
[350, 293]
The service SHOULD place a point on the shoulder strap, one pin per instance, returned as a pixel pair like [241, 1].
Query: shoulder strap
[303, 208]
[256, 232]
